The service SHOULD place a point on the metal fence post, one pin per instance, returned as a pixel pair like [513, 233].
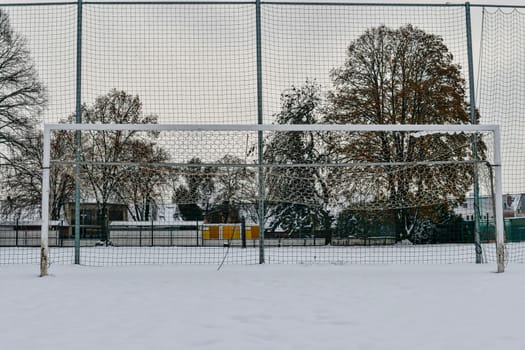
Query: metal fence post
[260, 135]
[78, 120]
[16, 232]
[243, 231]
[477, 240]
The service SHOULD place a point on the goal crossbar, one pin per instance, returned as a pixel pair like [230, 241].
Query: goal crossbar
[431, 128]
[467, 128]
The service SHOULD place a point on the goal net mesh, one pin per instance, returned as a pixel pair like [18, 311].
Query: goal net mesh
[200, 196]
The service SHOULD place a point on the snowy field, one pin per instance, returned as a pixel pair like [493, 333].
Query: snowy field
[276, 307]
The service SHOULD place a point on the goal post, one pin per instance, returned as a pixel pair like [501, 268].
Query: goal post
[500, 233]
[46, 163]
[298, 185]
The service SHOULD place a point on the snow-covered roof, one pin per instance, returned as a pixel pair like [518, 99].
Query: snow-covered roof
[154, 223]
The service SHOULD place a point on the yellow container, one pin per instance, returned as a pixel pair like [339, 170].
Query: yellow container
[228, 232]
[252, 232]
[231, 232]
[210, 232]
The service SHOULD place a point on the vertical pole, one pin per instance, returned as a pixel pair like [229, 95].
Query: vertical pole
[243, 231]
[152, 235]
[78, 111]
[477, 240]
[260, 134]
[500, 233]
[44, 246]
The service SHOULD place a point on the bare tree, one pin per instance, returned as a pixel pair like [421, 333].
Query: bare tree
[22, 96]
[232, 181]
[22, 99]
[193, 188]
[146, 182]
[233, 190]
[105, 180]
[23, 175]
[402, 76]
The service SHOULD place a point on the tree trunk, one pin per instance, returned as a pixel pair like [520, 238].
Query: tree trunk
[400, 216]
[328, 229]
[103, 223]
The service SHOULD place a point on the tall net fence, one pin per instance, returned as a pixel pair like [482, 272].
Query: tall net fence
[501, 101]
[306, 42]
[221, 63]
[197, 63]
[37, 84]
[188, 63]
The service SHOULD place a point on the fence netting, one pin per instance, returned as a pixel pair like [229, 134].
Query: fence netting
[502, 101]
[195, 197]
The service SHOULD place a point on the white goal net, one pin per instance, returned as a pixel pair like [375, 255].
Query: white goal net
[152, 193]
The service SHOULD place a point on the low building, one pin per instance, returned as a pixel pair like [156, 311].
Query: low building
[513, 206]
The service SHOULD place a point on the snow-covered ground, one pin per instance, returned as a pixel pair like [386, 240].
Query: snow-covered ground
[276, 307]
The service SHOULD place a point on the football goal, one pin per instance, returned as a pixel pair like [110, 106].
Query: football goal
[250, 194]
